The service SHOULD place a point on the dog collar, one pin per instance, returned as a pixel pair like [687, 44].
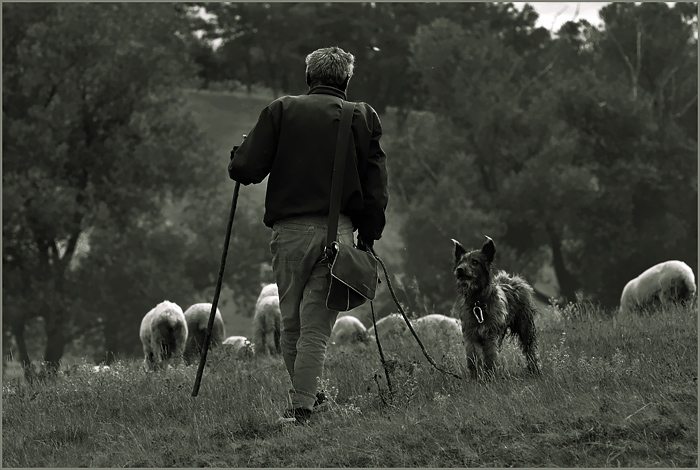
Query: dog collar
[478, 311]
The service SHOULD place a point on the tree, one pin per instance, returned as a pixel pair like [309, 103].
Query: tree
[94, 139]
[548, 151]
[478, 133]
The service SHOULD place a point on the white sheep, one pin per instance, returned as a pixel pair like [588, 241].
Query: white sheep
[239, 346]
[163, 335]
[348, 330]
[268, 290]
[665, 282]
[197, 317]
[439, 333]
[440, 327]
[266, 325]
[392, 326]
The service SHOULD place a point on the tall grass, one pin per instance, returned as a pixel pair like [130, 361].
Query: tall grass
[615, 391]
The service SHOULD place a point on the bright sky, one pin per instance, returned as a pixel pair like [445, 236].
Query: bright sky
[554, 14]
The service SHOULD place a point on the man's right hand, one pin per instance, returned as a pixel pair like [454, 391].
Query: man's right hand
[236, 147]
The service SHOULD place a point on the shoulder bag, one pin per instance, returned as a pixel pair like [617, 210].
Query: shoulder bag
[353, 272]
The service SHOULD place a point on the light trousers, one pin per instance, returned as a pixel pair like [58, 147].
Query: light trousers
[297, 246]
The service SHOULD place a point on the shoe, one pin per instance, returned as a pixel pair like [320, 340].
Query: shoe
[302, 415]
[321, 401]
[287, 417]
[296, 416]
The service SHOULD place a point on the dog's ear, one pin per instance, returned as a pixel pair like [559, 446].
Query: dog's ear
[459, 250]
[489, 249]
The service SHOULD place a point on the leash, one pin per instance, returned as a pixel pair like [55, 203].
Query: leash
[381, 353]
[410, 327]
[212, 314]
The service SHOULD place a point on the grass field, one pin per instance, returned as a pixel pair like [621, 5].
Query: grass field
[615, 391]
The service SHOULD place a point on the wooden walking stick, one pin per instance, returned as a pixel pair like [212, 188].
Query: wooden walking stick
[212, 314]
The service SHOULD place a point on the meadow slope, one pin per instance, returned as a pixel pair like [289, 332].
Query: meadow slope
[615, 391]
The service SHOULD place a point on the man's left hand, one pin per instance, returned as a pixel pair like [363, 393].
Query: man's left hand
[365, 245]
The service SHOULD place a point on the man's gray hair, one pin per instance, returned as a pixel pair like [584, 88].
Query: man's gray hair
[329, 66]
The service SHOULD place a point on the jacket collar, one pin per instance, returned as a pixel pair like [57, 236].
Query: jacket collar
[327, 90]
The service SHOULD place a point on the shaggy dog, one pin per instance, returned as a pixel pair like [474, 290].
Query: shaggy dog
[491, 303]
[348, 330]
[163, 334]
[197, 317]
[266, 325]
[670, 281]
[239, 346]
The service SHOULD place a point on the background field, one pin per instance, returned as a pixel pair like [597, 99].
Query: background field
[615, 391]
[574, 149]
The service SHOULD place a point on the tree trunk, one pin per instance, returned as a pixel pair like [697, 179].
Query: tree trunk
[55, 341]
[57, 314]
[18, 333]
[567, 283]
[111, 335]
[24, 359]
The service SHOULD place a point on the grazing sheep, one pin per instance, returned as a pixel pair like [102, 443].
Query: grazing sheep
[391, 326]
[266, 325]
[348, 330]
[163, 334]
[239, 346]
[197, 317]
[268, 291]
[439, 328]
[670, 281]
[439, 333]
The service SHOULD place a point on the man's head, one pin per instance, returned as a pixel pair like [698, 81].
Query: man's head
[329, 66]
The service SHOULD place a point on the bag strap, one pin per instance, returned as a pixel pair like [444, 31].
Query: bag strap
[341, 151]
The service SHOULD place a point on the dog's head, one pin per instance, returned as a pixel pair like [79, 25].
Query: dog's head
[472, 269]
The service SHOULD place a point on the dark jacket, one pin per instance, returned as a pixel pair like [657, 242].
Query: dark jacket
[294, 142]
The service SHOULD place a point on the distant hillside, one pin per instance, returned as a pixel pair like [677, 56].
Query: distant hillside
[225, 117]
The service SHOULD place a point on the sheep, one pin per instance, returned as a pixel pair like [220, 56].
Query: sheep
[239, 346]
[266, 325]
[439, 327]
[267, 291]
[163, 335]
[439, 333]
[197, 317]
[391, 326]
[348, 330]
[665, 282]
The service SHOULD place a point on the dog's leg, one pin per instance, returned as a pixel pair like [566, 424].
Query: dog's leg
[490, 348]
[473, 362]
[528, 341]
[533, 362]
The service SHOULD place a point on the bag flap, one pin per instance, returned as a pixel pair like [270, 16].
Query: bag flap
[355, 268]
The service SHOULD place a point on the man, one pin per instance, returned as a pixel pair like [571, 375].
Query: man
[294, 142]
